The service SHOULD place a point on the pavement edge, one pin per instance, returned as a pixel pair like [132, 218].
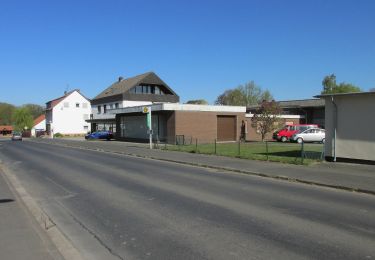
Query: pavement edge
[62, 243]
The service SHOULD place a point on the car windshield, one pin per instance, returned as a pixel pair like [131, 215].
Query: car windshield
[16, 133]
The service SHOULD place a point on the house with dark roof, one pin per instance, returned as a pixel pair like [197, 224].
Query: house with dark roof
[67, 114]
[144, 89]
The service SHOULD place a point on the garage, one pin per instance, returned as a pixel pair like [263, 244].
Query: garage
[226, 128]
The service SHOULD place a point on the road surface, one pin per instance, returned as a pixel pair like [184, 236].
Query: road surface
[134, 208]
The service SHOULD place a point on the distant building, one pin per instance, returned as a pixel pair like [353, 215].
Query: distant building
[6, 129]
[39, 126]
[350, 124]
[144, 89]
[305, 111]
[67, 115]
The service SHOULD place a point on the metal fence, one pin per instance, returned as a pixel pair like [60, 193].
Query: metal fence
[295, 153]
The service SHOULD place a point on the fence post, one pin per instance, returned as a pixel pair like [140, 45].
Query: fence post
[302, 152]
[267, 149]
[196, 145]
[215, 146]
[323, 151]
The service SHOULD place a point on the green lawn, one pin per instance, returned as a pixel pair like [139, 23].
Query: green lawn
[278, 152]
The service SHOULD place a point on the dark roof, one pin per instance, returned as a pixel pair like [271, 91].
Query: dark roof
[124, 85]
[346, 94]
[297, 103]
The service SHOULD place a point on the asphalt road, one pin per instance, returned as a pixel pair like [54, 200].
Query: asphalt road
[133, 208]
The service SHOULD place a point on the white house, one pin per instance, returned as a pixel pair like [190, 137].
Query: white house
[67, 115]
[39, 125]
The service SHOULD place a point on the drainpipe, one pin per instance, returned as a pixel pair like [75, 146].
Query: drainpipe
[335, 129]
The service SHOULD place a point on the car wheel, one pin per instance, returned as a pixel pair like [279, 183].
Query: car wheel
[323, 140]
[299, 140]
[284, 139]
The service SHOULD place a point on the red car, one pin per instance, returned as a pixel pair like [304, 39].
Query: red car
[288, 131]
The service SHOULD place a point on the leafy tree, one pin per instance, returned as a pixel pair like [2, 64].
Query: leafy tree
[35, 110]
[22, 118]
[330, 86]
[6, 113]
[197, 101]
[267, 117]
[244, 95]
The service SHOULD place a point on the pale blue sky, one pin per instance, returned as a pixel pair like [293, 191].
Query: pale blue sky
[200, 48]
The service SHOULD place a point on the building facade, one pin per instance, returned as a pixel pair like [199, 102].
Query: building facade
[350, 124]
[39, 126]
[181, 123]
[67, 115]
[144, 89]
[306, 111]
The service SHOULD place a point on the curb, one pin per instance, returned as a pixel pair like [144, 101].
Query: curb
[258, 174]
[62, 243]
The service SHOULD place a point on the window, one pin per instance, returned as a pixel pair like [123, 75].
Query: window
[138, 89]
[77, 104]
[116, 105]
[105, 109]
[99, 109]
[85, 127]
[110, 106]
[132, 91]
[66, 104]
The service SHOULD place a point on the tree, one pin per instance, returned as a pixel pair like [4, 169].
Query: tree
[330, 86]
[6, 113]
[197, 101]
[267, 117]
[372, 90]
[35, 110]
[22, 119]
[244, 95]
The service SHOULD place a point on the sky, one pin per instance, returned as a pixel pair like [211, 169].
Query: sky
[199, 48]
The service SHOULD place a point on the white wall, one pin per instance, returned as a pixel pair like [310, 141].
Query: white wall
[40, 126]
[122, 104]
[71, 119]
[355, 138]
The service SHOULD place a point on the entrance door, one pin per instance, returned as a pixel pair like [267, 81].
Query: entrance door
[226, 128]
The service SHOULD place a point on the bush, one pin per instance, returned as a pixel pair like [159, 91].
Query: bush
[57, 135]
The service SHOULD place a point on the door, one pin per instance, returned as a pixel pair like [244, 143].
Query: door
[226, 128]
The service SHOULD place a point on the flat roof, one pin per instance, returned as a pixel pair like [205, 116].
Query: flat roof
[346, 94]
[314, 102]
[179, 107]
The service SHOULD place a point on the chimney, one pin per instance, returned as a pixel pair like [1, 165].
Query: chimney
[65, 92]
[120, 79]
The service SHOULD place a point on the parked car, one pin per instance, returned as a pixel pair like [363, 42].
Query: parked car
[108, 135]
[288, 131]
[17, 136]
[310, 135]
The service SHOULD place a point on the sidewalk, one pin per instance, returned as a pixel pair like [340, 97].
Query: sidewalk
[346, 176]
[20, 236]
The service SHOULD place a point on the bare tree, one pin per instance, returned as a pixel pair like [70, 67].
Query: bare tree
[267, 117]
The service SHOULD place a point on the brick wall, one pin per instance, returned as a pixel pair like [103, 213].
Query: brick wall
[200, 125]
